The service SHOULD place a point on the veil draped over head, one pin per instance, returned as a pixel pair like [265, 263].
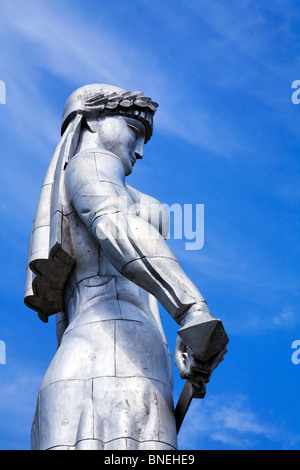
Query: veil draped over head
[50, 255]
[50, 250]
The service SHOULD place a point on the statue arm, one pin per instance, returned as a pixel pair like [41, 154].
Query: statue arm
[94, 183]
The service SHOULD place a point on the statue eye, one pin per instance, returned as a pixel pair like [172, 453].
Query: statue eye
[135, 132]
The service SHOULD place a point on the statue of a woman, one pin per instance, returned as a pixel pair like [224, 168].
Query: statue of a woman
[99, 260]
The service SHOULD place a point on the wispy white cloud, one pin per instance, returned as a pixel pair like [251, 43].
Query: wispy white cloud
[50, 40]
[229, 422]
[285, 318]
[265, 296]
[60, 43]
[240, 52]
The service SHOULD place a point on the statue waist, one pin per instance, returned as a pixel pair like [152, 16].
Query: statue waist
[101, 298]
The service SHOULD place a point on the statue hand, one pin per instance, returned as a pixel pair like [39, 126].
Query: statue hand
[191, 368]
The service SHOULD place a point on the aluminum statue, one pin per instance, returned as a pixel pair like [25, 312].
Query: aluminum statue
[98, 259]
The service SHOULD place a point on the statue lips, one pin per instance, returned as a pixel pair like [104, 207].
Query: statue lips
[133, 159]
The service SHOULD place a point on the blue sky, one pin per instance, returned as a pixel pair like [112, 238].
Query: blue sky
[226, 135]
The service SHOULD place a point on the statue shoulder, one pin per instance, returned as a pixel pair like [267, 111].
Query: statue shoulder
[98, 165]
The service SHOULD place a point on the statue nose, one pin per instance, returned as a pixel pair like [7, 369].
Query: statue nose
[139, 149]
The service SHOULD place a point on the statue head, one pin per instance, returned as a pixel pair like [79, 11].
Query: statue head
[100, 100]
[113, 119]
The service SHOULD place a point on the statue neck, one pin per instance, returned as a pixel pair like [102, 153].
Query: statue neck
[87, 141]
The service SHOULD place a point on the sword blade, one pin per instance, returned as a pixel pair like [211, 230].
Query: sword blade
[187, 394]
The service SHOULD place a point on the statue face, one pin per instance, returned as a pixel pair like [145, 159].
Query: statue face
[123, 136]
